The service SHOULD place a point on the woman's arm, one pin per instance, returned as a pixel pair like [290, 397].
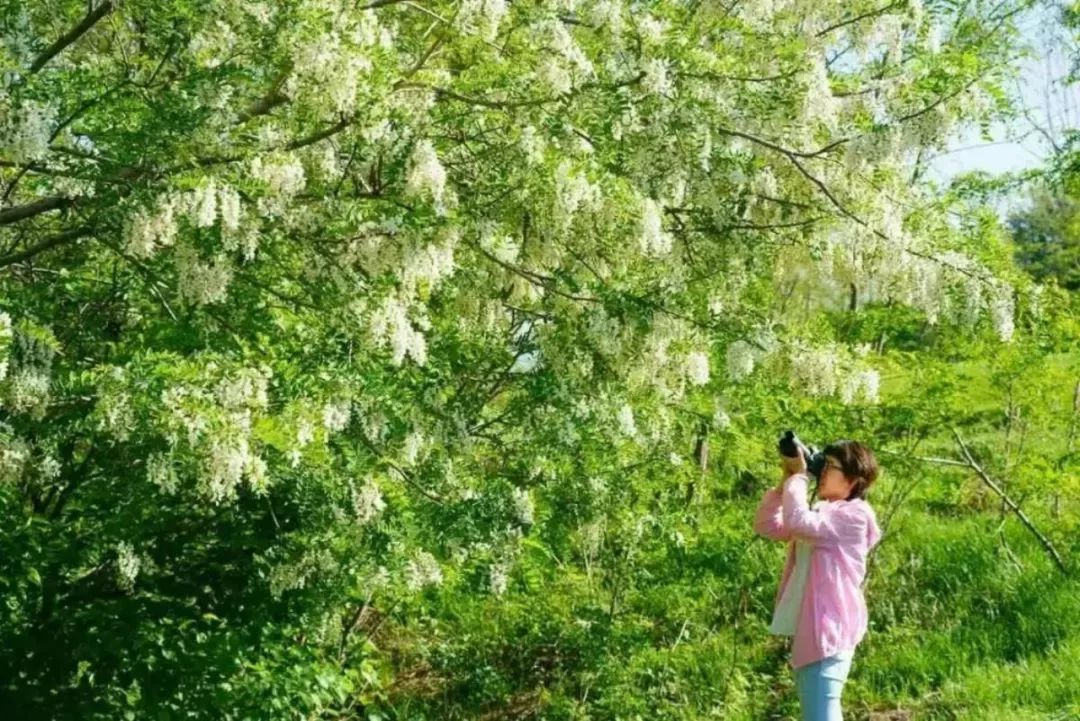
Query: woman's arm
[768, 521]
[797, 516]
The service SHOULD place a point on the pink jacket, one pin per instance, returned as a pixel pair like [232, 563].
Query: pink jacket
[832, 617]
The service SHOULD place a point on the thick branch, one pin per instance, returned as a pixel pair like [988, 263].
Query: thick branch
[21, 212]
[71, 36]
[52, 242]
[267, 102]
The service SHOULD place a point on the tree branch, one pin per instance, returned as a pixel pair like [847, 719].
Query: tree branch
[51, 242]
[21, 212]
[1009, 502]
[71, 36]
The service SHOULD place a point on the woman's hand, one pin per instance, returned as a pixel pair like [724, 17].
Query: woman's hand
[791, 466]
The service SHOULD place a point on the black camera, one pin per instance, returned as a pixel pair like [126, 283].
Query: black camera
[791, 446]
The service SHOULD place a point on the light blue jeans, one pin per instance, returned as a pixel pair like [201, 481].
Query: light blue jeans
[820, 684]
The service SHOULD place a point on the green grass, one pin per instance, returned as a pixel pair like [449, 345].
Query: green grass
[970, 619]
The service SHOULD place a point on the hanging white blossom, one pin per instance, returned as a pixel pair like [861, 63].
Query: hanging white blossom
[200, 282]
[427, 177]
[697, 368]
[656, 80]
[204, 205]
[390, 326]
[654, 240]
[25, 130]
[413, 448]
[740, 360]
[229, 206]
[335, 416]
[151, 228]
[422, 570]
[1002, 311]
[523, 506]
[160, 473]
[498, 577]
[367, 501]
[626, 421]
[128, 564]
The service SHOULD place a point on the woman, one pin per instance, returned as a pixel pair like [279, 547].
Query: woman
[820, 601]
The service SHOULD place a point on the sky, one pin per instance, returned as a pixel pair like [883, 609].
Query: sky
[1052, 105]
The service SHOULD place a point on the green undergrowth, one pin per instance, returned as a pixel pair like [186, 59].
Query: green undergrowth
[964, 625]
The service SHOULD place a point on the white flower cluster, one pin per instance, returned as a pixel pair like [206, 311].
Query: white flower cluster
[113, 409]
[230, 209]
[202, 283]
[607, 14]
[5, 343]
[327, 73]
[390, 326]
[816, 371]
[14, 454]
[741, 358]
[161, 473]
[213, 45]
[1003, 310]
[305, 432]
[557, 70]
[759, 14]
[25, 130]
[148, 229]
[554, 75]
[654, 240]
[524, 510]
[28, 390]
[428, 264]
[573, 191]
[49, 468]
[335, 416]
[830, 370]
[426, 175]
[297, 574]
[151, 228]
[652, 29]
[244, 389]
[499, 576]
[697, 368]
[501, 245]
[216, 424]
[284, 178]
[367, 501]
[414, 447]
[820, 103]
[532, 145]
[422, 570]
[656, 80]
[481, 16]
[861, 385]
[591, 538]
[128, 565]
[563, 44]
[626, 422]
[204, 205]
[948, 284]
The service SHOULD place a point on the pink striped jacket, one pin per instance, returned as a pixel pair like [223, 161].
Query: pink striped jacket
[832, 617]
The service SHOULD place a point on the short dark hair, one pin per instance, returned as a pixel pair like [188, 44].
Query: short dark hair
[858, 464]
